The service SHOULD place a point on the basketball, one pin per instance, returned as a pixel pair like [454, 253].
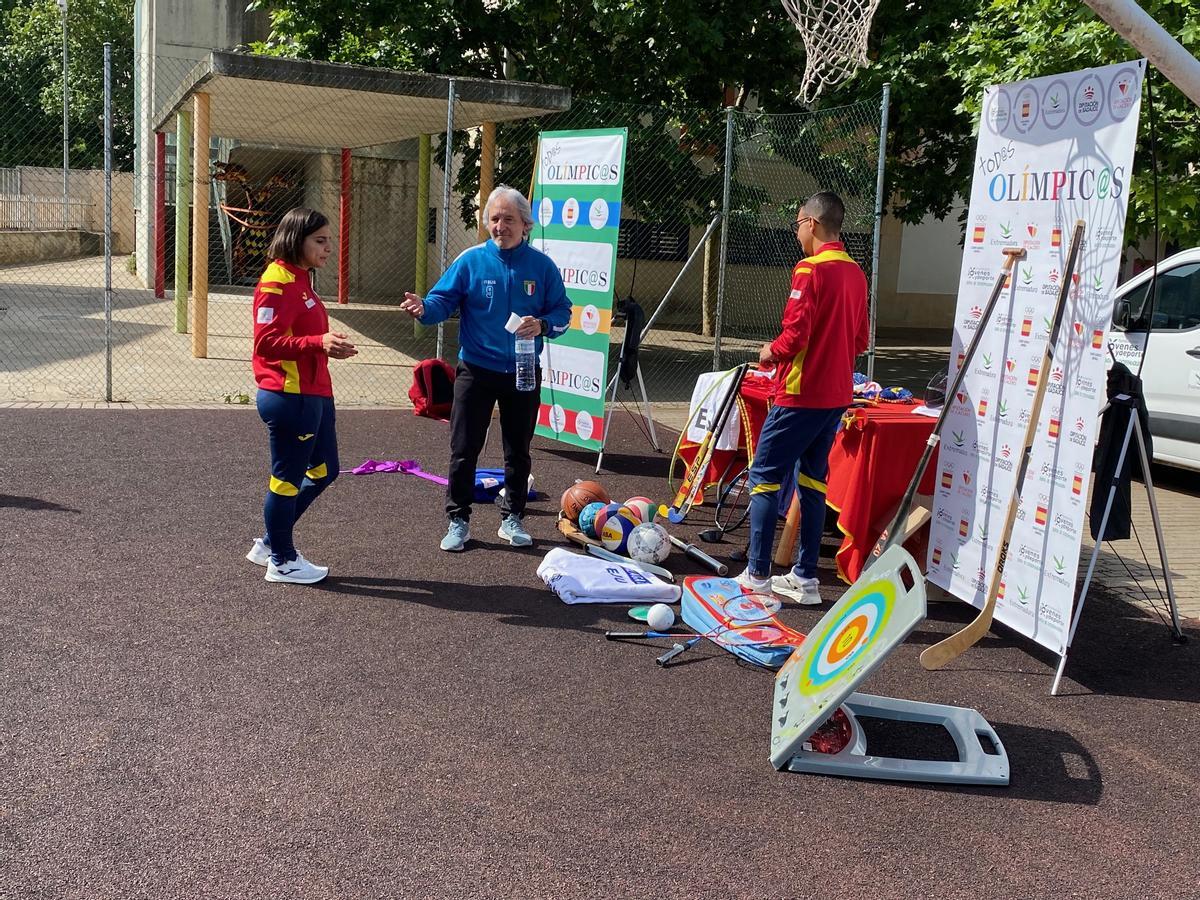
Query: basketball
[587, 518]
[617, 528]
[642, 508]
[610, 509]
[649, 543]
[579, 495]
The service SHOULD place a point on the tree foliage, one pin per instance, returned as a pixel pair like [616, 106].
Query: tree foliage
[938, 55]
[31, 92]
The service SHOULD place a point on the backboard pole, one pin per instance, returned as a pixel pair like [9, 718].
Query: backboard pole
[1148, 37]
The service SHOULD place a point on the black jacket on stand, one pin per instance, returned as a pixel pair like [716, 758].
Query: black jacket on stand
[1108, 451]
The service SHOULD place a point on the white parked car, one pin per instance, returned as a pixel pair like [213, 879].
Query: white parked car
[1171, 374]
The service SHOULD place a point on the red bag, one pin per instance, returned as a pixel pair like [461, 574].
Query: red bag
[432, 391]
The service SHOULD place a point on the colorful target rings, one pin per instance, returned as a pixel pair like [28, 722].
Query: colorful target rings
[845, 639]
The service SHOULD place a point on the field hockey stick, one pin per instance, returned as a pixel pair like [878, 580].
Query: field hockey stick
[945, 650]
[694, 480]
[694, 552]
[896, 527]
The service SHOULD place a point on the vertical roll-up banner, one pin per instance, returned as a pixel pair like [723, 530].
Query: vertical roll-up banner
[577, 217]
[1051, 150]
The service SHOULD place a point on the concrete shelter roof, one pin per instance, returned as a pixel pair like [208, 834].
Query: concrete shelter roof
[305, 104]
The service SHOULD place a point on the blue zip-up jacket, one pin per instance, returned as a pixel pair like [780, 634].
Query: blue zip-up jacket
[485, 284]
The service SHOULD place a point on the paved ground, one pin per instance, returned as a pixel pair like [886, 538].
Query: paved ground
[427, 725]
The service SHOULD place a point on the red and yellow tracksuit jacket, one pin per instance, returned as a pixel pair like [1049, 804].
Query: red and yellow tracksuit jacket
[289, 321]
[825, 326]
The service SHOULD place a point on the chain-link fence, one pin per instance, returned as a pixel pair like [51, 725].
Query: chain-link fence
[368, 148]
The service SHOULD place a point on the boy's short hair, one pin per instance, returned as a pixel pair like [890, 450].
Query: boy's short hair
[296, 225]
[827, 208]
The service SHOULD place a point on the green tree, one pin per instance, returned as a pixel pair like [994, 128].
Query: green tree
[31, 95]
[1011, 40]
[939, 56]
[663, 69]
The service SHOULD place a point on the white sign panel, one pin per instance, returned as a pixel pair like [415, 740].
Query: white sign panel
[582, 160]
[1051, 151]
[573, 370]
[585, 265]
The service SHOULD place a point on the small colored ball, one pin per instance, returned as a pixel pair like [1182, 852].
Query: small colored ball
[587, 518]
[617, 528]
[649, 543]
[660, 617]
[642, 507]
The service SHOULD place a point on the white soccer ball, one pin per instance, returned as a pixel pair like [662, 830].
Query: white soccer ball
[649, 543]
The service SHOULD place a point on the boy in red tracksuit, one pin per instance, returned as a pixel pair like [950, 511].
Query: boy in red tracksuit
[825, 326]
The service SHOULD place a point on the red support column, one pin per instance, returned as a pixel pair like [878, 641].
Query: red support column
[344, 231]
[160, 214]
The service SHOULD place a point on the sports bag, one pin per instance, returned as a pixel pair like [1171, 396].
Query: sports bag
[432, 391]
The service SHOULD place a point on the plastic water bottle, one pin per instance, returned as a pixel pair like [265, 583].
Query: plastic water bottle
[526, 365]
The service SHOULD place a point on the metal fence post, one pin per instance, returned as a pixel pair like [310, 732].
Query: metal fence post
[725, 224]
[883, 127]
[446, 167]
[108, 292]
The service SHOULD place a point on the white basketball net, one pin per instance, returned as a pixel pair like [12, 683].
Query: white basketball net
[835, 39]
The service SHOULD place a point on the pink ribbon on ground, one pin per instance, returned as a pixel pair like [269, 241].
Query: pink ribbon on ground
[403, 466]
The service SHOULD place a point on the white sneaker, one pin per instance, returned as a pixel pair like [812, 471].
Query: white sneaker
[802, 590]
[298, 571]
[260, 553]
[759, 585]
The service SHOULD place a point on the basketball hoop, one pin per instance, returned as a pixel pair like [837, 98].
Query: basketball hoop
[835, 39]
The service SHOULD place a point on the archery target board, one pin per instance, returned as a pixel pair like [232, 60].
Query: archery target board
[847, 645]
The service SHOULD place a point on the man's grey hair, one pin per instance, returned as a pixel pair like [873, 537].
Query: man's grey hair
[516, 198]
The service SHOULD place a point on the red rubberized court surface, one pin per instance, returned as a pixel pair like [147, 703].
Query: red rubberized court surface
[435, 725]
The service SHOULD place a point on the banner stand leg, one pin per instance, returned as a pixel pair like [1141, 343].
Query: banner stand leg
[1130, 431]
[611, 390]
[646, 410]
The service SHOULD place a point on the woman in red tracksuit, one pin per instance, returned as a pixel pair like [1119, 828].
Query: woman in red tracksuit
[292, 348]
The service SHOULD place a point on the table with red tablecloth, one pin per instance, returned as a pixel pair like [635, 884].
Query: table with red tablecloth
[870, 466]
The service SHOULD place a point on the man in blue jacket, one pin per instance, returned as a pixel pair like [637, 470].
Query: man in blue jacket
[485, 285]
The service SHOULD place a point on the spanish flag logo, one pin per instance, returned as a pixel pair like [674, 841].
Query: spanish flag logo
[947, 479]
[937, 556]
[1097, 339]
[983, 408]
[1000, 592]
[1056, 237]
[1033, 376]
[1077, 485]
[977, 234]
[1054, 428]
[963, 528]
[1040, 516]
[1026, 327]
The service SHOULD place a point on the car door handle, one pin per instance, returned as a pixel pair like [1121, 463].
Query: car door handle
[1195, 351]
